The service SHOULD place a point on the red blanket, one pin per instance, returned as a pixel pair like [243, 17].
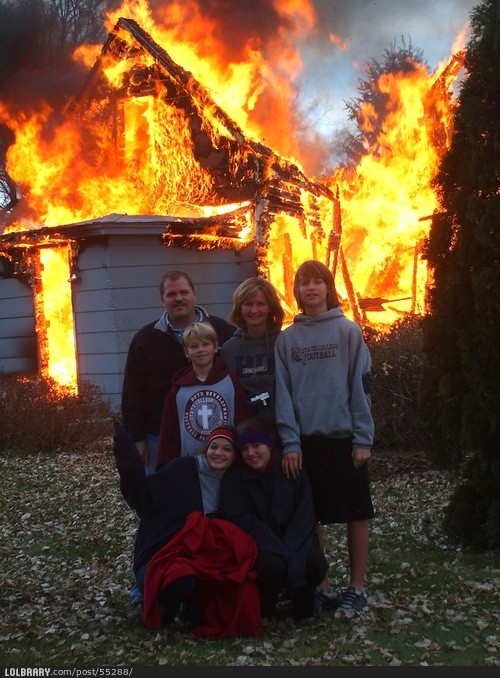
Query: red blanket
[221, 556]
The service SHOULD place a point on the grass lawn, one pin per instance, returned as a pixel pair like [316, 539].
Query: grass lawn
[67, 540]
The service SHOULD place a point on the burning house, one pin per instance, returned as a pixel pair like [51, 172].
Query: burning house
[213, 202]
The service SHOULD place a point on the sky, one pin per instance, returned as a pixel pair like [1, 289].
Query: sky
[363, 29]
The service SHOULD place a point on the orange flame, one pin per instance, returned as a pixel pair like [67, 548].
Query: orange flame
[338, 42]
[386, 203]
[385, 200]
[54, 317]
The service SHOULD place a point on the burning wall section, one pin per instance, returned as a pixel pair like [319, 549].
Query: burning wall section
[151, 141]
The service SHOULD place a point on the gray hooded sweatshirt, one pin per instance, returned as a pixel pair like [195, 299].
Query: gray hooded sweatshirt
[320, 363]
[252, 361]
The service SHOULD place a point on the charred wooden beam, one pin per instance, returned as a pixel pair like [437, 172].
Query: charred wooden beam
[277, 208]
[335, 236]
[289, 172]
[217, 227]
[285, 204]
[288, 272]
[283, 189]
[283, 198]
[377, 303]
[314, 216]
[180, 76]
[349, 288]
[203, 242]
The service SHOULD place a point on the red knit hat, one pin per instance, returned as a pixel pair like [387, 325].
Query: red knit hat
[222, 432]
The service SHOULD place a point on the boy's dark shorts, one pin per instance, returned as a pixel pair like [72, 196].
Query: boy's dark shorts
[341, 492]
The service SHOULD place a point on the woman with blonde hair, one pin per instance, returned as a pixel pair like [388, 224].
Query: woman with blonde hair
[249, 353]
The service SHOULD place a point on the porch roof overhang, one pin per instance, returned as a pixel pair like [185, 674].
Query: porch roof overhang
[226, 225]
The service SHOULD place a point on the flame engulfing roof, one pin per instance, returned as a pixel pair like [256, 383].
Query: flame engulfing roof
[212, 185]
[195, 178]
[240, 168]
[180, 88]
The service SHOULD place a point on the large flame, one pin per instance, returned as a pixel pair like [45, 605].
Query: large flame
[54, 316]
[385, 201]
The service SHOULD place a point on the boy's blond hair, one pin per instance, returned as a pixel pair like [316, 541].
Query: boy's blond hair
[199, 331]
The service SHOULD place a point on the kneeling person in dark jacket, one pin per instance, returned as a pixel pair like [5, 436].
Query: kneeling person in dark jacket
[278, 512]
[184, 551]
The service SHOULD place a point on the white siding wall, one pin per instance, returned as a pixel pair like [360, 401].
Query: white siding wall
[117, 293]
[18, 349]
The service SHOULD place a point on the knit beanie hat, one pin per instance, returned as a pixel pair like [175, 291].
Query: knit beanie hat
[222, 432]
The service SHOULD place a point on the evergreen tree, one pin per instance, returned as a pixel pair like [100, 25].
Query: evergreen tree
[403, 60]
[461, 378]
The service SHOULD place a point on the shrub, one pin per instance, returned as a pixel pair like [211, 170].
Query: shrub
[396, 366]
[472, 517]
[37, 415]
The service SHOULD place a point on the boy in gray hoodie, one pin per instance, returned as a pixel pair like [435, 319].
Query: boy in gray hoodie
[324, 419]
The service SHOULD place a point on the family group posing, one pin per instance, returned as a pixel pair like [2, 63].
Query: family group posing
[239, 441]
